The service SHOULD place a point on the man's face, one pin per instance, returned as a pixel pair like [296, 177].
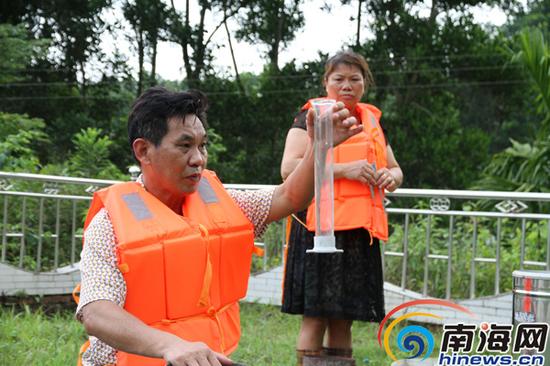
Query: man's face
[177, 163]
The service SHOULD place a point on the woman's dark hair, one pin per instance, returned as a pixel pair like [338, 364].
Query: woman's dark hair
[352, 59]
[150, 113]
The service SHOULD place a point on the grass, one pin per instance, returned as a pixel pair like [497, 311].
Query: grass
[29, 338]
[268, 338]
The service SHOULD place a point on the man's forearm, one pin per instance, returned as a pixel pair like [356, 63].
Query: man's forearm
[122, 331]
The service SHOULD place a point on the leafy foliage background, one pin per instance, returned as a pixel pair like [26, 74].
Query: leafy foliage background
[465, 105]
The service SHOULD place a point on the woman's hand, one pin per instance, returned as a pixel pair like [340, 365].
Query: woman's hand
[359, 170]
[343, 125]
[385, 179]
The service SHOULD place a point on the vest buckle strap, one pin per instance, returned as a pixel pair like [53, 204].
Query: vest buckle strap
[211, 312]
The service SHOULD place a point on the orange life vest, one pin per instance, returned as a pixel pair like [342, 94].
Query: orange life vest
[357, 204]
[184, 275]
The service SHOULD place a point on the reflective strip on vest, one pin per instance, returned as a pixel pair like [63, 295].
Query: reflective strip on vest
[373, 121]
[137, 207]
[207, 192]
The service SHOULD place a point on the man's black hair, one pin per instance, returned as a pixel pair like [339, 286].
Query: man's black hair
[150, 113]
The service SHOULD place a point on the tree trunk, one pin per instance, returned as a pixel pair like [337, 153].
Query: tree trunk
[358, 38]
[154, 63]
[184, 43]
[141, 52]
[433, 11]
[237, 77]
[199, 50]
[274, 52]
[83, 73]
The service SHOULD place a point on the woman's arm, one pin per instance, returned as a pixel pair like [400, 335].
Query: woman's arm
[295, 148]
[390, 178]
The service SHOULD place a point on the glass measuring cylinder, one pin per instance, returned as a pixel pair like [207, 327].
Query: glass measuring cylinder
[324, 240]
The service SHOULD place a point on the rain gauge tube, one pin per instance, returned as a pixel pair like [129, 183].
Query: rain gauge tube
[324, 240]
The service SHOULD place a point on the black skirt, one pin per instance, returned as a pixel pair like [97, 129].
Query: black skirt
[346, 285]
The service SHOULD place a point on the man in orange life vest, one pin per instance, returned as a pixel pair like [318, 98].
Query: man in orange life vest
[166, 259]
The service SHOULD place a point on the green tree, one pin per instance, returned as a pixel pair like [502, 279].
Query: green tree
[91, 156]
[215, 148]
[17, 50]
[447, 75]
[75, 26]
[147, 18]
[273, 23]
[195, 39]
[526, 166]
[19, 136]
[51, 87]
[533, 15]
[262, 116]
[43, 93]
[534, 56]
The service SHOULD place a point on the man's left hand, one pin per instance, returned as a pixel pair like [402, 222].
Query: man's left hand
[343, 124]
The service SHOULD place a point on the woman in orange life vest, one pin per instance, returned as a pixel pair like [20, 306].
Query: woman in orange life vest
[153, 265]
[332, 290]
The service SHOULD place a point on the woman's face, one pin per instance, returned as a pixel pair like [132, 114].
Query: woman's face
[346, 84]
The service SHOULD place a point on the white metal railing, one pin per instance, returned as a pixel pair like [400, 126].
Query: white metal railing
[48, 188]
[42, 218]
[510, 208]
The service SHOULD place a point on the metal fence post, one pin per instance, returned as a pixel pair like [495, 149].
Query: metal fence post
[449, 258]
[427, 258]
[473, 261]
[4, 229]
